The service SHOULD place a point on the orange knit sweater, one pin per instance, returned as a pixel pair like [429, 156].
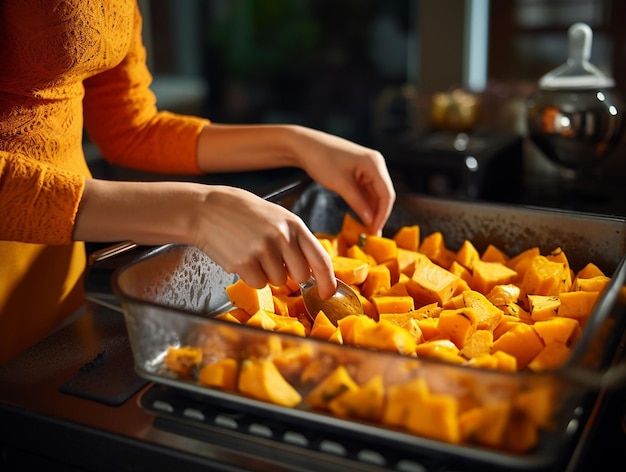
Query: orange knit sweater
[66, 65]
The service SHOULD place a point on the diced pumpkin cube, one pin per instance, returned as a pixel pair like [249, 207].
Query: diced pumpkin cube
[559, 329]
[494, 254]
[380, 248]
[503, 294]
[322, 327]
[442, 349]
[393, 304]
[221, 374]
[558, 255]
[431, 282]
[487, 314]
[486, 275]
[428, 326]
[506, 361]
[434, 247]
[461, 271]
[545, 277]
[385, 336]
[478, 344]
[352, 326]
[329, 246]
[351, 271]
[262, 319]
[538, 403]
[543, 307]
[406, 261]
[378, 281]
[352, 229]
[522, 342]
[281, 304]
[597, 283]
[486, 424]
[250, 299]
[401, 398]
[183, 359]
[336, 383]
[552, 356]
[577, 305]
[259, 378]
[435, 417]
[364, 403]
[356, 252]
[457, 325]
[521, 262]
[408, 237]
[590, 270]
[467, 255]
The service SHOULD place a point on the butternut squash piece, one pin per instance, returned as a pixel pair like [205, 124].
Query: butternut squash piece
[378, 281]
[435, 417]
[397, 290]
[552, 356]
[394, 271]
[461, 271]
[431, 282]
[457, 325]
[220, 374]
[262, 319]
[494, 254]
[384, 336]
[227, 317]
[487, 314]
[356, 252]
[434, 247]
[364, 403]
[557, 329]
[261, 379]
[506, 323]
[442, 349]
[467, 255]
[543, 307]
[486, 275]
[393, 304]
[281, 305]
[577, 305]
[506, 361]
[545, 277]
[503, 294]
[351, 271]
[406, 261]
[250, 299]
[538, 403]
[401, 398]
[182, 360]
[408, 237]
[322, 327]
[522, 342]
[558, 255]
[428, 327]
[351, 327]
[336, 383]
[486, 424]
[352, 229]
[590, 270]
[380, 248]
[521, 262]
[478, 344]
[597, 283]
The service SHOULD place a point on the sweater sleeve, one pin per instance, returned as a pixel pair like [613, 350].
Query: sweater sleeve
[38, 203]
[122, 119]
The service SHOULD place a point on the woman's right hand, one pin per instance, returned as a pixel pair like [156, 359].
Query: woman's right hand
[259, 240]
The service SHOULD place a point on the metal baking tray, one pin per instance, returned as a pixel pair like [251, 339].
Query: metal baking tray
[169, 294]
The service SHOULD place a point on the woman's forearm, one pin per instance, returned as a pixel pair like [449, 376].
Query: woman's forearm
[145, 212]
[233, 148]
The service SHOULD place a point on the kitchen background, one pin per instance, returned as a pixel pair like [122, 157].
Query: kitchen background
[371, 71]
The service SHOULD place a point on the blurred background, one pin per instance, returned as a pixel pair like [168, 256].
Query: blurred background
[375, 72]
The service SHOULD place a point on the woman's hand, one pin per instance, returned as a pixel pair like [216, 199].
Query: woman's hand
[259, 240]
[357, 173]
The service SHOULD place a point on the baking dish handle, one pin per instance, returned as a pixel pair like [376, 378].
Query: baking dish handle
[101, 265]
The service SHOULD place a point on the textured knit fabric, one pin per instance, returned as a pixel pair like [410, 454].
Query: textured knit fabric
[66, 66]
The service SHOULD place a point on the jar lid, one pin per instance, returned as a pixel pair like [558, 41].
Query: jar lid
[577, 72]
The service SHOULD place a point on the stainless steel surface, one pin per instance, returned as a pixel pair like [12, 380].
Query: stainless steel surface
[344, 301]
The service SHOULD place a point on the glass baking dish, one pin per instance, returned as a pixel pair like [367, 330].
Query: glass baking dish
[170, 294]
